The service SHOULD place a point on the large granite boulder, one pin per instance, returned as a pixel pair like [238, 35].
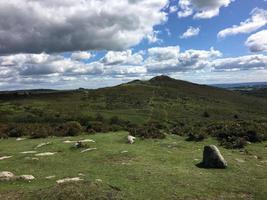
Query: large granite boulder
[212, 158]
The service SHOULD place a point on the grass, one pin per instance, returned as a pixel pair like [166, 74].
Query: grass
[150, 169]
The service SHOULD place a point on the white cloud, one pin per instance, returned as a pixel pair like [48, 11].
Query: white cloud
[122, 57]
[257, 20]
[81, 55]
[22, 71]
[163, 53]
[35, 26]
[202, 9]
[190, 32]
[170, 59]
[256, 62]
[257, 42]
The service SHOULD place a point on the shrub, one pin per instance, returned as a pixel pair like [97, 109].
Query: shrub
[236, 134]
[71, 128]
[96, 127]
[206, 114]
[147, 132]
[196, 134]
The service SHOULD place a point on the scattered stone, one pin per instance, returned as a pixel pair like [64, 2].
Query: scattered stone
[45, 154]
[42, 144]
[75, 179]
[20, 139]
[124, 152]
[81, 174]
[28, 152]
[212, 158]
[87, 140]
[99, 180]
[196, 159]
[26, 177]
[5, 157]
[6, 176]
[89, 149]
[240, 160]
[130, 139]
[83, 141]
[31, 158]
[50, 177]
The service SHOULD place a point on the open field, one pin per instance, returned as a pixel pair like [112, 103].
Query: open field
[148, 169]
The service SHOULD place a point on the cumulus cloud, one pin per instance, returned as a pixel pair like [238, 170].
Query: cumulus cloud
[202, 9]
[256, 62]
[81, 55]
[122, 57]
[35, 26]
[56, 70]
[257, 42]
[190, 32]
[257, 20]
[170, 59]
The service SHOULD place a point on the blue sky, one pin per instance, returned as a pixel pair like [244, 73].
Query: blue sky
[68, 44]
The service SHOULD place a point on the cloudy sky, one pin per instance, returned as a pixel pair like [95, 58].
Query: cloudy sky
[67, 44]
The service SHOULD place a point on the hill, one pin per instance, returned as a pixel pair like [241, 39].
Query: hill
[161, 99]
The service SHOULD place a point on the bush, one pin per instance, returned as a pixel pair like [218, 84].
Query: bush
[71, 128]
[196, 134]
[236, 134]
[206, 114]
[96, 127]
[147, 132]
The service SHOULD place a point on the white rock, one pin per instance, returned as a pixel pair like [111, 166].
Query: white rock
[130, 139]
[50, 177]
[124, 152]
[28, 152]
[20, 139]
[89, 149]
[5, 157]
[240, 160]
[45, 154]
[6, 174]
[83, 141]
[27, 177]
[69, 180]
[42, 144]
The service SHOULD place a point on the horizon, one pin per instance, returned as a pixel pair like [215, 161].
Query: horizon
[219, 85]
[95, 44]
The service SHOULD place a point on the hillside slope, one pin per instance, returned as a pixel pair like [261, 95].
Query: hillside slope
[161, 99]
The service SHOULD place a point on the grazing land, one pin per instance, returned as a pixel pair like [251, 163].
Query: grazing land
[148, 169]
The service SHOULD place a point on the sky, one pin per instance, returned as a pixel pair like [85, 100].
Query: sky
[67, 44]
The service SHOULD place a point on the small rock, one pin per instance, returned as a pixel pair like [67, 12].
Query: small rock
[69, 180]
[45, 154]
[89, 149]
[26, 177]
[42, 144]
[98, 180]
[50, 177]
[130, 139]
[28, 152]
[124, 152]
[6, 176]
[81, 174]
[5, 157]
[20, 139]
[212, 158]
[240, 160]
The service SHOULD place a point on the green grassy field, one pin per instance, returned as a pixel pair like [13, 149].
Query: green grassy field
[150, 169]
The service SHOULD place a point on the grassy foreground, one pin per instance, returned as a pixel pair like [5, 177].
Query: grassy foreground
[148, 169]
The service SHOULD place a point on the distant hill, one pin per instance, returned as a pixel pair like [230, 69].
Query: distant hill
[161, 99]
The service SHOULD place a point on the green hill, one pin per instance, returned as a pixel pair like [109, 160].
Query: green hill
[160, 99]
